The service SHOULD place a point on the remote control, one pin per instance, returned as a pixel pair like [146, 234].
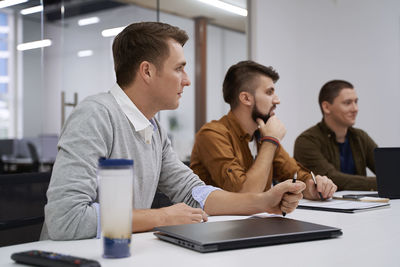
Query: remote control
[45, 258]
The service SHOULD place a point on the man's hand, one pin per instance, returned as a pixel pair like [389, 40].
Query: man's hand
[274, 127]
[182, 214]
[325, 186]
[284, 197]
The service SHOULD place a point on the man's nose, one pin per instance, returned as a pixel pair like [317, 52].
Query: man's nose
[355, 107]
[276, 100]
[186, 80]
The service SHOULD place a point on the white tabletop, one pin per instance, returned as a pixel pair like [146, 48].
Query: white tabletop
[370, 238]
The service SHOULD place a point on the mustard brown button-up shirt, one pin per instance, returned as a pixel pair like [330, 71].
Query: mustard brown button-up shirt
[221, 156]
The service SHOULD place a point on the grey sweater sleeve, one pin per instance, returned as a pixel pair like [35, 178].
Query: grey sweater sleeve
[70, 213]
[176, 179]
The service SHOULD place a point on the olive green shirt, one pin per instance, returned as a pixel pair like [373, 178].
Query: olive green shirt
[317, 149]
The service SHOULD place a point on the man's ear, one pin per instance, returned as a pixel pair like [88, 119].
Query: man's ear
[246, 98]
[326, 107]
[146, 71]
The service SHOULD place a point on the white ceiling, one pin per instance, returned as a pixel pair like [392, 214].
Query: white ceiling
[195, 8]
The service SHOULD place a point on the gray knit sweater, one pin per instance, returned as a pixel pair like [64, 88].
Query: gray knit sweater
[99, 128]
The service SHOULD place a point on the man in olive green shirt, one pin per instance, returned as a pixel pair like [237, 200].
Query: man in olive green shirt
[333, 147]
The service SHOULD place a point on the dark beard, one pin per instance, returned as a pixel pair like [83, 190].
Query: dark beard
[255, 114]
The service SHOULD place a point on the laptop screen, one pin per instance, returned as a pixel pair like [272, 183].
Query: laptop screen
[387, 161]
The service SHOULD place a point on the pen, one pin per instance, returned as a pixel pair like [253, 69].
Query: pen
[315, 182]
[293, 181]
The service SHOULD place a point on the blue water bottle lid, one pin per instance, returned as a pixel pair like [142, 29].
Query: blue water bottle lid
[115, 163]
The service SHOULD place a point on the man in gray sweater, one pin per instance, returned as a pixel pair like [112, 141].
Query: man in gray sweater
[149, 65]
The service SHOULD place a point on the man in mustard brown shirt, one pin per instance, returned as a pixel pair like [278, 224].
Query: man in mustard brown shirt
[241, 152]
[333, 147]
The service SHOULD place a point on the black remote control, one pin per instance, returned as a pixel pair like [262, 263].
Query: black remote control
[45, 258]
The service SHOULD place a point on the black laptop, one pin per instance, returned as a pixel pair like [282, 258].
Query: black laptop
[252, 232]
[387, 161]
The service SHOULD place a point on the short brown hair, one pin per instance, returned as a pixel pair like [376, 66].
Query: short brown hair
[144, 41]
[241, 76]
[331, 90]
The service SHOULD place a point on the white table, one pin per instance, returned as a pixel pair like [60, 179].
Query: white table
[370, 238]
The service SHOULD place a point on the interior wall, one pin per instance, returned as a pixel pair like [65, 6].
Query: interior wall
[310, 42]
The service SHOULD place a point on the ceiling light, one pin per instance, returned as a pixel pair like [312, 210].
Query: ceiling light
[4, 54]
[87, 21]
[33, 45]
[225, 6]
[4, 29]
[32, 10]
[4, 79]
[112, 32]
[85, 53]
[7, 3]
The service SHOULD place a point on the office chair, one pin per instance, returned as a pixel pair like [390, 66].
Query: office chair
[22, 201]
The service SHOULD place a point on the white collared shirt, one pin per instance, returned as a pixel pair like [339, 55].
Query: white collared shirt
[142, 125]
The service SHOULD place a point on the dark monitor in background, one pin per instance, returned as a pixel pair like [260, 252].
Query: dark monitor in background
[387, 161]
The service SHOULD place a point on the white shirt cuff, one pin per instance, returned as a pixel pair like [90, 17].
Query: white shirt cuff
[200, 193]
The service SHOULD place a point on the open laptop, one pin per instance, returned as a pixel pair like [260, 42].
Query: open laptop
[387, 161]
[252, 232]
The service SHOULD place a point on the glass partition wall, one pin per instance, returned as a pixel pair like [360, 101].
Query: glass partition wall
[55, 53]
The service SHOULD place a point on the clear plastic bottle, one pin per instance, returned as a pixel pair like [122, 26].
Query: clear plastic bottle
[115, 178]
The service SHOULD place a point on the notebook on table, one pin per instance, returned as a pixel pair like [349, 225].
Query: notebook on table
[252, 232]
[341, 205]
[387, 161]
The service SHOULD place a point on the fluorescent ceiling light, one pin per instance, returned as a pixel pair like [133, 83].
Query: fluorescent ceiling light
[7, 3]
[4, 29]
[4, 54]
[32, 10]
[85, 53]
[33, 45]
[225, 6]
[4, 79]
[87, 21]
[112, 32]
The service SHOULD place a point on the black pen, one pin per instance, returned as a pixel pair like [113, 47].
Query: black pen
[315, 182]
[293, 181]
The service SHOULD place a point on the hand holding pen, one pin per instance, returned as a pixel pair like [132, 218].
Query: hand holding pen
[293, 181]
[321, 186]
[316, 187]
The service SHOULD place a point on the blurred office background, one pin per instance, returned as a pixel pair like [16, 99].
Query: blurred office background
[308, 41]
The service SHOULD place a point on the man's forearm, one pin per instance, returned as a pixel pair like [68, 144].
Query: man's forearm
[221, 202]
[283, 197]
[346, 181]
[257, 175]
[147, 219]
